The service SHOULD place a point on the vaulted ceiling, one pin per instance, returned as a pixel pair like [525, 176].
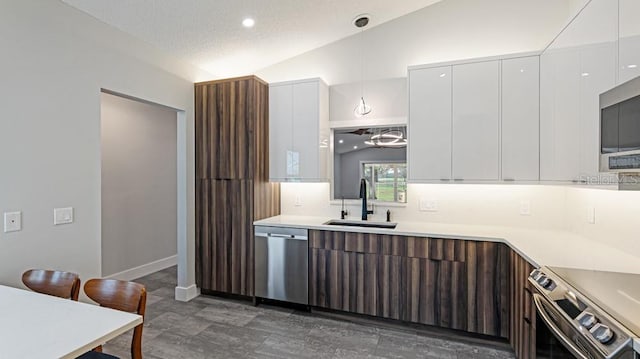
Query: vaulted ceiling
[209, 33]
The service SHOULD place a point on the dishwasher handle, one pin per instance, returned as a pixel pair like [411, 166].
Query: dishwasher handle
[285, 236]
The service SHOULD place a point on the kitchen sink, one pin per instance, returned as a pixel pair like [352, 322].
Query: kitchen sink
[341, 222]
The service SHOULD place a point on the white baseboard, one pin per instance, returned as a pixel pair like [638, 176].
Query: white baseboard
[145, 269]
[185, 294]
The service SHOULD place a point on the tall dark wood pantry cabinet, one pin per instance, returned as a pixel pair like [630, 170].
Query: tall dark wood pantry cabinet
[232, 181]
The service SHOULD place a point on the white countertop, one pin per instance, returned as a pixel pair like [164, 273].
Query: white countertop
[539, 246]
[34, 325]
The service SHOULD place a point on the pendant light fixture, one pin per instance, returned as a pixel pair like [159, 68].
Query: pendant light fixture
[362, 108]
[387, 137]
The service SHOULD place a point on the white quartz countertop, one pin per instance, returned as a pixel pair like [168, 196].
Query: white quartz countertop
[541, 247]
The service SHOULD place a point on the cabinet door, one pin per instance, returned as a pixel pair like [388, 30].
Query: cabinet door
[476, 118]
[629, 41]
[306, 134]
[560, 115]
[435, 293]
[429, 147]
[520, 119]
[224, 245]
[578, 66]
[598, 74]
[280, 125]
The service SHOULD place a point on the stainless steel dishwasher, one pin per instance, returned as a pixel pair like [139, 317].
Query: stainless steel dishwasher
[282, 264]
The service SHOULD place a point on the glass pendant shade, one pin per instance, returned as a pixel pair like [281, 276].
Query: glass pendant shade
[362, 108]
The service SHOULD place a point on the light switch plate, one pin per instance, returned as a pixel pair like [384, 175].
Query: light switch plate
[62, 215]
[428, 205]
[298, 201]
[12, 221]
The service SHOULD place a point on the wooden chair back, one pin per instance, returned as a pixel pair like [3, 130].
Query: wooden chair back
[60, 284]
[121, 295]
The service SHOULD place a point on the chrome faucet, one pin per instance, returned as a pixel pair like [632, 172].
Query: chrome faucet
[363, 195]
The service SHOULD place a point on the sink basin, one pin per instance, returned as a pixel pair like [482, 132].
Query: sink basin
[341, 222]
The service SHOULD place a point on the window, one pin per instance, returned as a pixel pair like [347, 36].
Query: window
[387, 182]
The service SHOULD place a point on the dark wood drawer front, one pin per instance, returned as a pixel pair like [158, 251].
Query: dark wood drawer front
[403, 246]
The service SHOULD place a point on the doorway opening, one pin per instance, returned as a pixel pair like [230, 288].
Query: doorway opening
[143, 211]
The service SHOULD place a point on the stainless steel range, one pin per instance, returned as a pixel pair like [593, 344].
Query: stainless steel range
[592, 314]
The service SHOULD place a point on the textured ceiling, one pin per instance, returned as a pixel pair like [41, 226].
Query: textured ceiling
[209, 34]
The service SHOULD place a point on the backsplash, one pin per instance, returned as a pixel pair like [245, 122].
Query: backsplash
[616, 215]
[465, 204]
[551, 207]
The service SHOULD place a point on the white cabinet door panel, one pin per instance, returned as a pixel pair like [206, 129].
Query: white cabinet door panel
[306, 102]
[520, 119]
[429, 134]
[476, 120]
[629, 28]
[560, 116]
[599, 62]
[280, 129]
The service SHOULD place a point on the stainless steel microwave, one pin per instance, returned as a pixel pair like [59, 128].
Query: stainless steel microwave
[620, 128]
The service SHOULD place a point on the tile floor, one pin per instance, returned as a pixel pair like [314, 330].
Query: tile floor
[209, 327]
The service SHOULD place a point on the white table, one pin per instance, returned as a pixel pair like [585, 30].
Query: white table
[35, 325]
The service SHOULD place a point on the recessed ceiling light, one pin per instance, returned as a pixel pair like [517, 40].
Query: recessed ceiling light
[248, 22]
[341, 141]
[585, 74]
[355, 147]
[521, 70]
[633, 66]
[443, 75]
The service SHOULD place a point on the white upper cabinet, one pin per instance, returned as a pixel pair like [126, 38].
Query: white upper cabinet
[298, 131]
[280, 129]
[629, 46]
[476, 121]
[559, 116]
[429, 131]
[520, 119]
[576, 68]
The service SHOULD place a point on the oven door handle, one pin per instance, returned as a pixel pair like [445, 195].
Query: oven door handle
[537, 300]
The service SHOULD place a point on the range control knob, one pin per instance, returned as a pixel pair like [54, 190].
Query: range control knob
[602, 333]
[544, 281]
[535, 274]
[588, 320]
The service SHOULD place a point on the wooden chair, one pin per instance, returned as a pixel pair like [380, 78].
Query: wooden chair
[60, 284]
[120, 295]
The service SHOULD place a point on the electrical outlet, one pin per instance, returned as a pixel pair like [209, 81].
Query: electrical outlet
[298, 201]
[525, 208]
[591, 215]
[428, 205]
[12, 221]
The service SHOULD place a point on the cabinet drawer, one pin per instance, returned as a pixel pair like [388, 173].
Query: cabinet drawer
[403, 246]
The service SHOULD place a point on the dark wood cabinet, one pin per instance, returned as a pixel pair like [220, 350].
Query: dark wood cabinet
[522, 335]
[232, 181]
[448, 283]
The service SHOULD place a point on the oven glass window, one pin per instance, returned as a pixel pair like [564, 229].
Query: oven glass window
[629, 124]
[609, 129]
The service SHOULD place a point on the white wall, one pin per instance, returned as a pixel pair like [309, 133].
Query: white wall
[387, 97]
[139, 184]
[616, 216]
[54, 62]
[448, 30]
[463, 204]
